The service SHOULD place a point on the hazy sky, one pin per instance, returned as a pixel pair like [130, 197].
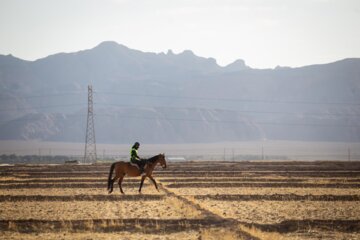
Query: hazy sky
[265, 33]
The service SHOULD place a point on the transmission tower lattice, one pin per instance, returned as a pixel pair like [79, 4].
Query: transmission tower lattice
[90, 143]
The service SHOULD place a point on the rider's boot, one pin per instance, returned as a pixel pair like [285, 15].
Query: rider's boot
[142, 171]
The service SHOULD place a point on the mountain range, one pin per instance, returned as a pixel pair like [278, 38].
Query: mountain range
[175, 98]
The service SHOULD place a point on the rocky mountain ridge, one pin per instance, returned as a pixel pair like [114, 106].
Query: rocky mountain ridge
[173, 98]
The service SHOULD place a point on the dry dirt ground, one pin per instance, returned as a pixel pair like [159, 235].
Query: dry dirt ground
[197, 200]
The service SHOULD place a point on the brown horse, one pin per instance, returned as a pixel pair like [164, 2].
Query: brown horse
[125, 168]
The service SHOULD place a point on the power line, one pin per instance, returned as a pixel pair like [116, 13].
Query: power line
[44, 95]
[181, 97]
[53, 117]
[184, 108]
[194, 120]
[190, 98]
[241, 111]
[186, 119]
[222, 121]
[228, 99]
[41, 107]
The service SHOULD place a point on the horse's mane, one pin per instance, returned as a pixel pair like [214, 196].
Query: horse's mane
[153, 159]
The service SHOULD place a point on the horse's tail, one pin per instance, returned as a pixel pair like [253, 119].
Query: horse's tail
[110, 175]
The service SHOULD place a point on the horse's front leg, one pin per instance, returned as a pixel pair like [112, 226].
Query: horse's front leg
[153, 180]
[141, 183]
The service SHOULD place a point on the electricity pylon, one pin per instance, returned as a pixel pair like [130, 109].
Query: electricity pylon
[90, 143]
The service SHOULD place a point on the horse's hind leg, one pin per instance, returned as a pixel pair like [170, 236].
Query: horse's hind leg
[112, 183]
[120, 182]
[111, 186]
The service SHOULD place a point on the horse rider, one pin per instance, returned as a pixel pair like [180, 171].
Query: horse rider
[134, 157]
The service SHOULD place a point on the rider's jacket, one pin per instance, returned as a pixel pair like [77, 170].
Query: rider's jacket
[134, 155]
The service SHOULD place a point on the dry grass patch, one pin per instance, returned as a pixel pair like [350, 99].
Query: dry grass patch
[218, 233]
[163, 209]
[189, 235]
[188, 210]
[277, 211]
[264, 235]
[305, 235]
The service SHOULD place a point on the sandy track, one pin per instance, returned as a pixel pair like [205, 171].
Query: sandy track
[279, 197]
[67, 180]
[68, 198]
[266, 191]
[102, 185]
[77, 191]
[258, 185]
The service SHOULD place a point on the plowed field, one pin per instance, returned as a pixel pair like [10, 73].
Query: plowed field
[197, 200]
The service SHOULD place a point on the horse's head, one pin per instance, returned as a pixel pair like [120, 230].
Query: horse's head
[162, 160]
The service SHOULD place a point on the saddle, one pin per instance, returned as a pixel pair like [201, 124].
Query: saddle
[136, 165]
